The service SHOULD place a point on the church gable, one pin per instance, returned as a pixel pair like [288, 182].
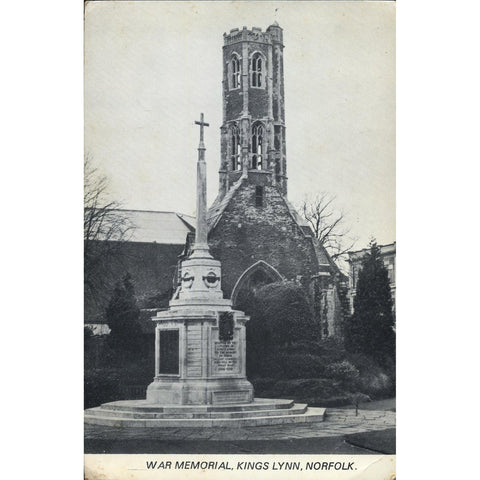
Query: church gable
[256, 225]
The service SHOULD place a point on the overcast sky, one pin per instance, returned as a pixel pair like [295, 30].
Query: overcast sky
[152, 67]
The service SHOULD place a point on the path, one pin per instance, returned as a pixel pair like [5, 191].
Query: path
[268, 439]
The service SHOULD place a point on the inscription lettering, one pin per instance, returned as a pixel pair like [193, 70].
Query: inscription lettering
[231, 397]
[194, 352]
[225, 357]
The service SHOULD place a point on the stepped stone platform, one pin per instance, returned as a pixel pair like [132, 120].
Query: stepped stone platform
[262, 411]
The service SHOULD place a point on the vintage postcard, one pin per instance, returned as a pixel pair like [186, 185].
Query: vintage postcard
[239, 245]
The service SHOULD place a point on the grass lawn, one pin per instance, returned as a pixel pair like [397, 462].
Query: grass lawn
[382, 441]
[299, 446]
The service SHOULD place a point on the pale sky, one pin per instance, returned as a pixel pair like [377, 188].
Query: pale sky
[152, 67]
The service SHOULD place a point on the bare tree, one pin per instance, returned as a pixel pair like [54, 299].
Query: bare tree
[328, 224]
[105, 227]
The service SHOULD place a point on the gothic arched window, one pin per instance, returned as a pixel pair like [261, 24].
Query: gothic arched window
[234, 72]
[257, 70]
[235, 151]
[257, 145]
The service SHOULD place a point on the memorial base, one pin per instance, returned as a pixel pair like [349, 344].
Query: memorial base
[175, 391]
[141, 414]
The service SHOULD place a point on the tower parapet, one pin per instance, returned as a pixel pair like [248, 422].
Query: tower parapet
[274, 33]
[253, 129]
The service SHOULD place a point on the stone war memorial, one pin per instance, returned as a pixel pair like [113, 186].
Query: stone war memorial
[200, 374]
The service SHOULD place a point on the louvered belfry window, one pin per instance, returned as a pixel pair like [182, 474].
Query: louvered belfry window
[235, 148]
[257, 70]
[257, 146]
[235, 72]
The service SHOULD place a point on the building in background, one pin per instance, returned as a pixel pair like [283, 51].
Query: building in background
[387, 253]
[149, 254]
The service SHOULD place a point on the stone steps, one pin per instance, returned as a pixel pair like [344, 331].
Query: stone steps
[310, 415]
[144, 406]
[105, 412]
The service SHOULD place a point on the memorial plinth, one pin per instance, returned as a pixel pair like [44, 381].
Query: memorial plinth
[200, 343]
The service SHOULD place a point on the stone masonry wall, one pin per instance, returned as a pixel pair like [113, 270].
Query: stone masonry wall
[246, 234]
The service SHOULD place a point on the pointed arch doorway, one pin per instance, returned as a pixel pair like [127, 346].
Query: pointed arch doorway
[254, 277]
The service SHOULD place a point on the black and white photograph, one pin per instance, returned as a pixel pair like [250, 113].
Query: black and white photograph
[239, 239]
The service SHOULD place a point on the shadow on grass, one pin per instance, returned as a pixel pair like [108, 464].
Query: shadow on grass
[382, 441]
[299, 446]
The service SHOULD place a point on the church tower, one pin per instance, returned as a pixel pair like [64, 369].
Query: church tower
[253, 129]
[252, 228]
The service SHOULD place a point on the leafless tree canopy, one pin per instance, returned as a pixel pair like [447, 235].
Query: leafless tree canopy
[328, 224]
[105, 227]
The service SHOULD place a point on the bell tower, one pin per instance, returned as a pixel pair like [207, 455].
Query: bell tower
[253, 128]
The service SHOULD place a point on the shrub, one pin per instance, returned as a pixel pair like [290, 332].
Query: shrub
[370, 329]
[329, 376]
[314, 391]
[100, 386]
[291, 366]
[122, 317]
[364, 363]
[343, 371]
[87, 333]
[329, 349]
[104, 384]
[377, 385]
[280, 315]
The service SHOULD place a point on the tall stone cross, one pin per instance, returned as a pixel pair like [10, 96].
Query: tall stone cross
[202, 124]
[200, 248]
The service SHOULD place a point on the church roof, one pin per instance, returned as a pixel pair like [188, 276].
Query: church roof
[298, 218]
[215, 213]
[389, 249]
[220, 204]
[216, 210]
[159, 227]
